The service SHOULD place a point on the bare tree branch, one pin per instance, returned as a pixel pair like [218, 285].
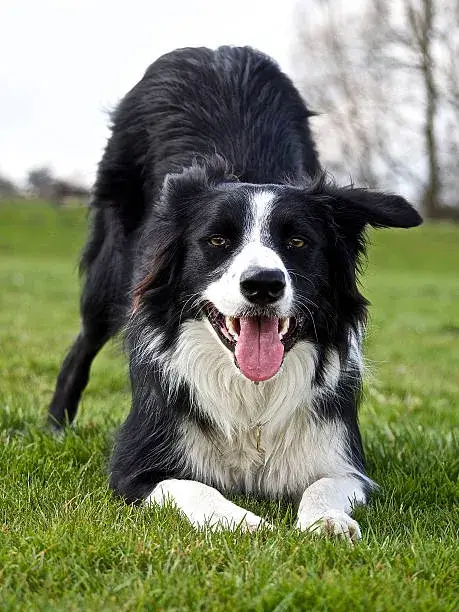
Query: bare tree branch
[386, 77]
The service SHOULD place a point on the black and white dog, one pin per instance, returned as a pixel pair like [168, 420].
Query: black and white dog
[231, 260]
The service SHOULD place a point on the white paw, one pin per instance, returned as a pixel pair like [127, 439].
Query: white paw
[204, 506]
[332, 523]
[233, 519]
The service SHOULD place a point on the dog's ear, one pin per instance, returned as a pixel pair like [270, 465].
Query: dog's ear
[359, 207]
[160, 246]
[193, 181]
[157, 279]
[181, 187]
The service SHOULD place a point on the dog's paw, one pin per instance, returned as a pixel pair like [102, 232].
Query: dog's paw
[205, 507]
[236, 519]
[333, 523]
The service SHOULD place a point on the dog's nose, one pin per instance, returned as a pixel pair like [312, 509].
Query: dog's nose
[262, 285]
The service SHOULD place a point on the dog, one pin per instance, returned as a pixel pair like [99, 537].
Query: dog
[230, 259]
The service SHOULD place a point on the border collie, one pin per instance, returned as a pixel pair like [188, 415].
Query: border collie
[230, 259]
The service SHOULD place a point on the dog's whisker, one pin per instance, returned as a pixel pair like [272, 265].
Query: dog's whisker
[194, 296]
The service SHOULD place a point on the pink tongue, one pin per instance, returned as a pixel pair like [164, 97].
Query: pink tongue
[259, 351]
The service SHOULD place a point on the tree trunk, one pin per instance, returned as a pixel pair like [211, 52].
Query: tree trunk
[423, 28]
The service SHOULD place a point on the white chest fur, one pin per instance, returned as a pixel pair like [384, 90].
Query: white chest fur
[265, 438]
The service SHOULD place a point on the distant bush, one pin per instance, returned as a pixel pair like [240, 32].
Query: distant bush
[7, 188]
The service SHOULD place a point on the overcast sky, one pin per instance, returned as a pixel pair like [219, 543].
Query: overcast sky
[64, 63]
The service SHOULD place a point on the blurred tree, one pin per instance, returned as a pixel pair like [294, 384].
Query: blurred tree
[44, 185]
[40, 182]
[7, 188]
[63, 190]
[385, 75]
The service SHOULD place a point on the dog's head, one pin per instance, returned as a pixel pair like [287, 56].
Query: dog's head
[265, 265]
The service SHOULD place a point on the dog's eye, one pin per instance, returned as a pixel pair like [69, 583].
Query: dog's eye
[296, 243]
[218, 241]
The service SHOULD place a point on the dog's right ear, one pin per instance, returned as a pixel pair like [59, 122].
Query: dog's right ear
[160, 247]
[193, 181]
[179, 188]
[182, 187]
[160, 265]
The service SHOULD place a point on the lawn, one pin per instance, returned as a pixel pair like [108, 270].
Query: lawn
[67, 544]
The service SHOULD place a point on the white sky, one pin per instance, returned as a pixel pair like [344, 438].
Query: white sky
[64, 63]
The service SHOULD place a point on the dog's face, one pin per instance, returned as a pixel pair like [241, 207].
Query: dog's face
[260, 256]
[265, 265]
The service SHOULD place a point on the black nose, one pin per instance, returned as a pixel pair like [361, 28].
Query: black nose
[262, 285]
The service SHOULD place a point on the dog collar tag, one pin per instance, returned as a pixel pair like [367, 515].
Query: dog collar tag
[258, 438]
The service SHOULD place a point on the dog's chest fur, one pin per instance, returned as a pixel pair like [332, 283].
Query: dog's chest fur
[264, 438]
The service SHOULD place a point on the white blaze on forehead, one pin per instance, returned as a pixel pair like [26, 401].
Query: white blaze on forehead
[261, 204]
[225, 293]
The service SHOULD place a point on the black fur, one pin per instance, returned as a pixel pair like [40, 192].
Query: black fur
[188, 141]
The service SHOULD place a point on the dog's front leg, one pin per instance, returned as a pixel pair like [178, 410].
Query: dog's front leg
[326, 505]
[204, 506]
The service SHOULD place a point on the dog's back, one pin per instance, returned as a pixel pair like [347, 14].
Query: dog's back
[194, 103]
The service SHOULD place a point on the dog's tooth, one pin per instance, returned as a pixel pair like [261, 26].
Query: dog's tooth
[285, 324]
[229, 322]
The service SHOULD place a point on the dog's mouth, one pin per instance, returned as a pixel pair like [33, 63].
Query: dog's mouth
[259, 343]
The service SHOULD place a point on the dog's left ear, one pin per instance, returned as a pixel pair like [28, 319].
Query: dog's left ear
[359, 207]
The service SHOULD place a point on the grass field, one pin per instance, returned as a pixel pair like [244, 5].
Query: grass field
[67, 544]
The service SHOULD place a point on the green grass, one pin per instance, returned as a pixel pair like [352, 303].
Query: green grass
[67, 544]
